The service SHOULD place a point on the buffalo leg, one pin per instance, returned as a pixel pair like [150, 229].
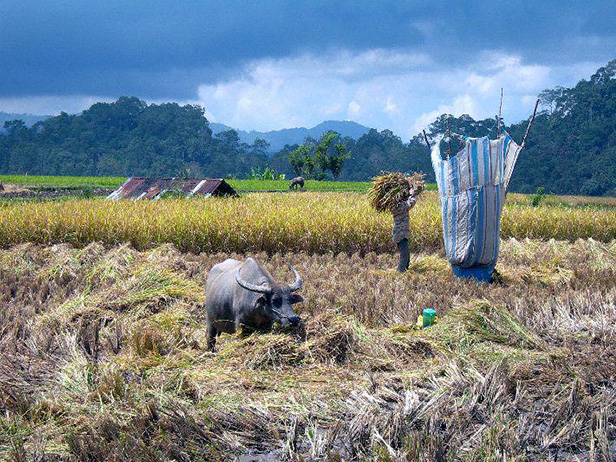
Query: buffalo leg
[212, 333]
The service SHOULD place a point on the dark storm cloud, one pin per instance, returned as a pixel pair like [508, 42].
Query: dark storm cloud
[165, 49]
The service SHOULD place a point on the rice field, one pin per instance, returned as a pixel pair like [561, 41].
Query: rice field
[103, 357]
[103, 352]
[310, 222]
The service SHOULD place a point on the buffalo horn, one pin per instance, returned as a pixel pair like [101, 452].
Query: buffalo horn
[298, 280]
[264, 289]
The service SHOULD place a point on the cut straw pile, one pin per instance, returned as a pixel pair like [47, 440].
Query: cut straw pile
[389, 189]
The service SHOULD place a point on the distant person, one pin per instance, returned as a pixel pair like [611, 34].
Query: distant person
[400, 234]
[296, 182]
[397, 193]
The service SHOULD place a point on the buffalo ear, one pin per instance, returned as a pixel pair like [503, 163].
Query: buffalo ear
[296, 298]
[261, 302]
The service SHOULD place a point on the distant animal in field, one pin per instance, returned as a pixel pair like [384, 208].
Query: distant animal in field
[295, 182]
[245, 294]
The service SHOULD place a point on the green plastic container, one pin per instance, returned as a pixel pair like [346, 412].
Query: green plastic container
[429, 315]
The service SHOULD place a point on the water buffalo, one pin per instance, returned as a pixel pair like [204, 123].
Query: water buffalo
[297, 181]
[244, 293]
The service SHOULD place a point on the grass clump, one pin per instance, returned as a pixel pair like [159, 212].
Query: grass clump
[429, 264]
[150, 288]
[270, 351]
[480, 324]
[332, 339]
[496, 324]
[548, 274]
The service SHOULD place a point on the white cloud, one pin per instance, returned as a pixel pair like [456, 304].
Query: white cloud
[402, 91]
[390, 106]
[461, 105]
[331, 109]
[354, 107]
[509, 72]
[306, 90]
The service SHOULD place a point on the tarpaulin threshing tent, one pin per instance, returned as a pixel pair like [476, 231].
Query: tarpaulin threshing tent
[472, 186]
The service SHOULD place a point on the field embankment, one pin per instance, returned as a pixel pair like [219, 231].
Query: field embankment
[310, 222]
[72, 184]
[103, 357]
[309, 185]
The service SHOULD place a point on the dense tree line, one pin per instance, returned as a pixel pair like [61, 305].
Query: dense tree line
[571, 149]
[127, 137]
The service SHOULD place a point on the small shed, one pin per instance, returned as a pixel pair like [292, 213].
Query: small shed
[153, 188]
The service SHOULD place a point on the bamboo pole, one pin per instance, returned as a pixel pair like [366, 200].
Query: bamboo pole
[427, 142]
[449, 137]
[530, 124]
[500, 109]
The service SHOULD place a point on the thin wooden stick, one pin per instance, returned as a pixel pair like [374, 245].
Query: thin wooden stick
[530, 124]
[500, 109]
[427, 142]
[449, 136]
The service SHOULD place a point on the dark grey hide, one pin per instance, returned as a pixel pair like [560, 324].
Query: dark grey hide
[297, 181]
[244, 293]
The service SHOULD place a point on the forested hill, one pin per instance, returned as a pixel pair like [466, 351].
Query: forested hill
[572, 147]
[571, 150]
[277, 139]
[127, 137]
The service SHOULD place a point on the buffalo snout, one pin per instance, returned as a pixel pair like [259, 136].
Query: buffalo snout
[290, 321]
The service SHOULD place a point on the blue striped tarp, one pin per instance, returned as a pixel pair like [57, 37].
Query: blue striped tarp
[472, 186]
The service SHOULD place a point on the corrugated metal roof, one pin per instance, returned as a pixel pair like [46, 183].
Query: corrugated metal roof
[152, 188]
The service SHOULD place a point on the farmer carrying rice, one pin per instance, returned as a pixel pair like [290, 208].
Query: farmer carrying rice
[400, 233]
[398, 194]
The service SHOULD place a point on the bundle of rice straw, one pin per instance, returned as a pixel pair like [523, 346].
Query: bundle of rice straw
[389, 189]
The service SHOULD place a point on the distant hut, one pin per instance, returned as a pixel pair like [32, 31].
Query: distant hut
[153, 188]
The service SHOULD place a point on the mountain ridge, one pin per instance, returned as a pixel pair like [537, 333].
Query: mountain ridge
[295, 135]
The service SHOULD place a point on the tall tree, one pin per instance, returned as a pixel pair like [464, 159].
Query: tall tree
[337, 160]
[297, 159]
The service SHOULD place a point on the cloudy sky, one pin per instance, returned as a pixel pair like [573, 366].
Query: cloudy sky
[273, 64]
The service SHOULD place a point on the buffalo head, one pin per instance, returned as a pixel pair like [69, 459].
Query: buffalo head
[276, 299]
